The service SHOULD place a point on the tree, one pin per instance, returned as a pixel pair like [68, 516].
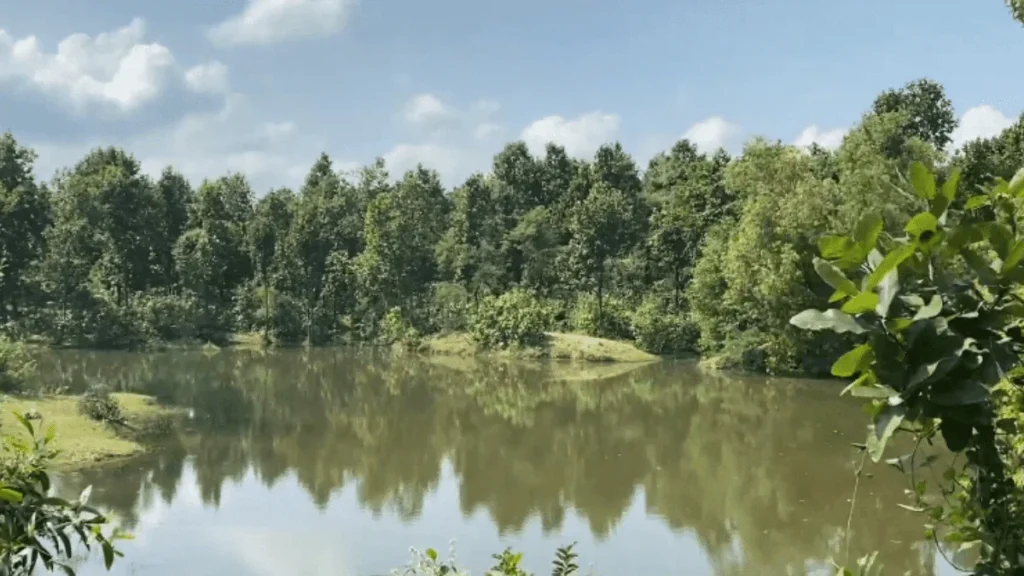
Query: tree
[24, 217]
[929, 113]
[598, 232]
[1017, 9]
[271, 220]
[175, 197]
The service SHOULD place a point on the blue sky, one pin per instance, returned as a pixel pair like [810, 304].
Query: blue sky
[263, 86]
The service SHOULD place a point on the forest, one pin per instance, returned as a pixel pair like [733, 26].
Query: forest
[699, 251]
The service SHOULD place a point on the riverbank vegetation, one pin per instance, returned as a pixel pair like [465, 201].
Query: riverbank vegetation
[700, 251]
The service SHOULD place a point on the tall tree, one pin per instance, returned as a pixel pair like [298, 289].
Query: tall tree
[24, 216]
[598, 233]
[928, 112]
[271, 221]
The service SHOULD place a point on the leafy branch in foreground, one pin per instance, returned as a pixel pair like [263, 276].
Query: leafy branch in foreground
[507, 563]
[37, 527]
[940, 313]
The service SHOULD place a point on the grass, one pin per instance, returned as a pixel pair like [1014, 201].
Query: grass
[559, 346]
[81, 440]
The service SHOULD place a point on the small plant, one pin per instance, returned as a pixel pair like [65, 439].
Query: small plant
[98, 404]
[426, 563]
[37, 527]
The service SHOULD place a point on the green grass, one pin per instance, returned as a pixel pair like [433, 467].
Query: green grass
[81, 440]
[559, 346]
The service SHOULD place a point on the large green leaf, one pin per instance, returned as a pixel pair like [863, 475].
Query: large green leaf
[831, 319]
[863, 302]
[1016, 185]
[922, 180]
[922, 226]
[1013, 257]
[868, 228]
[10, 495]
[886, 421]
[834, 277]
[891, 261]
[975, 202]
[854, 361]
[833, 247]
[946, 194]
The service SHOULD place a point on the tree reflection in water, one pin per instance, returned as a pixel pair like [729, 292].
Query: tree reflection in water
[760, 472]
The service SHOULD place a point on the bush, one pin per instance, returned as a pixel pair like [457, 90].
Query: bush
[449, 307]
[507, 563]
[615, 322]
[98, 404]
[659, 329]
[16, 366]
[515, 318]
[37, 526]
[395, 329]
[168, 316]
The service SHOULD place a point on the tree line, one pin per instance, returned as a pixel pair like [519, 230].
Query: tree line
[699, 251]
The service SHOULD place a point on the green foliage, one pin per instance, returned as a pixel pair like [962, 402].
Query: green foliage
[449, 307]
[396, 329]
[660, 329]
[38, 528]
[516, 318]
[98, 404]
[935, 341]
[16, 365]
[609, 319]
[168, 317]
[1017, 9]
[507, 563]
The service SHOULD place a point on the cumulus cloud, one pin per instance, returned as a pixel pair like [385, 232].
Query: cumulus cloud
[711, 134]
[425, 109]
[580, 137]
[266, 22]
[209, 78]
[980, 122]
[114, 68]
[209, 145]
[446, 159]
[830, 139]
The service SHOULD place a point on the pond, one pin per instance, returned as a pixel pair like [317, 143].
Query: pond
[335, 462]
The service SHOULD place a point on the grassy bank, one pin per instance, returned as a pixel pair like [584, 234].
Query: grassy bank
[558, 346]
[81, 440]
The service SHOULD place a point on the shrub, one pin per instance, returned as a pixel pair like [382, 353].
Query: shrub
[395, 329]
[614, 321]
[168, 316]
[659, 329]
[507, 563]
[16, 366]
[38, 527]
[98, 404]
[515, 318]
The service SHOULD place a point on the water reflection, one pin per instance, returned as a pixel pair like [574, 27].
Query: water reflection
[660, 469]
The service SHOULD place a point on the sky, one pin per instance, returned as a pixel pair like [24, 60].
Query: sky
[264, 86]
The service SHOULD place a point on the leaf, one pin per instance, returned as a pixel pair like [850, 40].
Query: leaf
[1013, 257]
[956, 434]
[867, 230]
[887, 290]
[836, 297]
[885, 424]
[831, 319]
[863, 302]
[83, 498]
[853, 362]
[11, 495]
[834, 277]
[945, 196]
[962, 393]
[432, 554]
[975, 202]
[921, 225]
[24, 422]
[922, 180]
[1016, 186]
[930, 310]
[108, 555]
[833, 247]
[891, 261]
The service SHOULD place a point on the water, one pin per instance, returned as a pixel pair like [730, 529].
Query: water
[337, 461]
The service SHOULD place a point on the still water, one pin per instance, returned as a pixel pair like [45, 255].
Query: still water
[335, 462]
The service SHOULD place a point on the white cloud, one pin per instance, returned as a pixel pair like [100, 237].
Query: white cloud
[712, 134]
[209, 78]
[208, 145]
[265, 22]
[580, 137]
[425, 109]
[115, 68]
[830, 139]
[980, 122]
